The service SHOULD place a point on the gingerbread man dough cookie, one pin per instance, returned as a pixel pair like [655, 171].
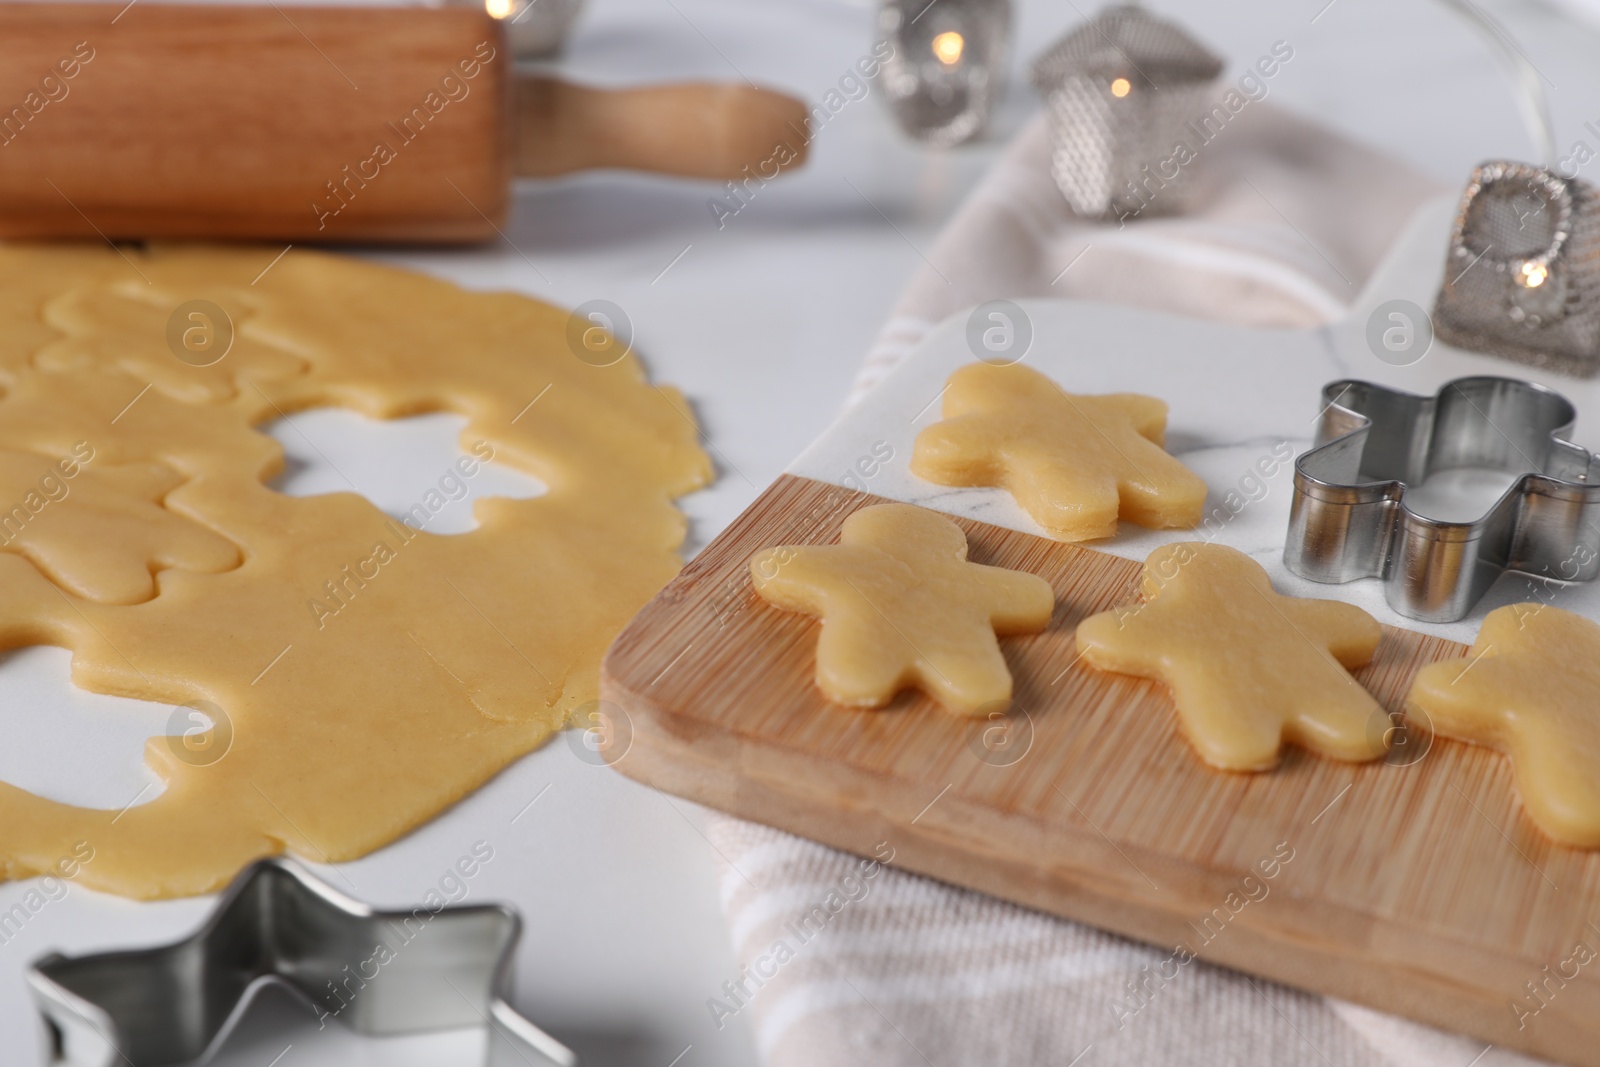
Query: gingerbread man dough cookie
[1248, 668]
[1074, 463]
[1531, 689]
[900, 606]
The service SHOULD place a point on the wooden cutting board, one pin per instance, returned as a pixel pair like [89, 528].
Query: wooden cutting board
[1414, 887]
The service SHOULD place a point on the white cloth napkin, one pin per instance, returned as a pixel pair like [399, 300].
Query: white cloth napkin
[886, 968]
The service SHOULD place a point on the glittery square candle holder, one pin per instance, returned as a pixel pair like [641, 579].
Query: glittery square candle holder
[1522, 275]
[947, 69]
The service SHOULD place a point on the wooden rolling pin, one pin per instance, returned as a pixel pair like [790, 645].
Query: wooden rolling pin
[323, 124]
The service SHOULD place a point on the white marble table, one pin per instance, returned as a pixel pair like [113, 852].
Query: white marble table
[762, 323]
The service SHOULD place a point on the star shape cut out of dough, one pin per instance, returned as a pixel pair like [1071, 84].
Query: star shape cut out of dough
[1074, 463]
[1530, 688]
[901, 606]
[1248, 667]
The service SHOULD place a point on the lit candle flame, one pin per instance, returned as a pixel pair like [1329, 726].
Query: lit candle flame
[497, 8]
[1119, 87]
[947, 47]
[1534, 275]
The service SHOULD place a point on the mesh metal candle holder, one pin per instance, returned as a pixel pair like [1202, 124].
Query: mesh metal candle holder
[1522, 277]
[947, 68]
[1121, 90]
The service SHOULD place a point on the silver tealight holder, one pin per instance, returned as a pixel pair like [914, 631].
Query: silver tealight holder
[534, 28]
[1123, 90]
[1522, 277]
[947, 68]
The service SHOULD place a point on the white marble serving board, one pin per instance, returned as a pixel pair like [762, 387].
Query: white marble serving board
[1236, 394]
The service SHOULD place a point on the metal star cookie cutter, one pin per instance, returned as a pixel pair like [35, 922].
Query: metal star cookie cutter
[1349, 518]
[381, 972]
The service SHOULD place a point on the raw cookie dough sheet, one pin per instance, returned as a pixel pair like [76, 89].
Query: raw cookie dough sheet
[361, 673]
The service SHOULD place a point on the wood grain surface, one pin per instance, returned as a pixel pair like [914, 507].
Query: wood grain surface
[721, 131]
[1416, 886]
[238, 121]
[324, 124]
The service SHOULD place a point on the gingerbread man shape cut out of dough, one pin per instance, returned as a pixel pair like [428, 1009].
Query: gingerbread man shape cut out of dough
[901, 605]
[1074, 463]
[101, 533]
[1248, 667]
[1529, 688]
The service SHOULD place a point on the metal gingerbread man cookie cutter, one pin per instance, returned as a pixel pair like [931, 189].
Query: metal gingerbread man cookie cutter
[1349, 518]
[437, 969]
